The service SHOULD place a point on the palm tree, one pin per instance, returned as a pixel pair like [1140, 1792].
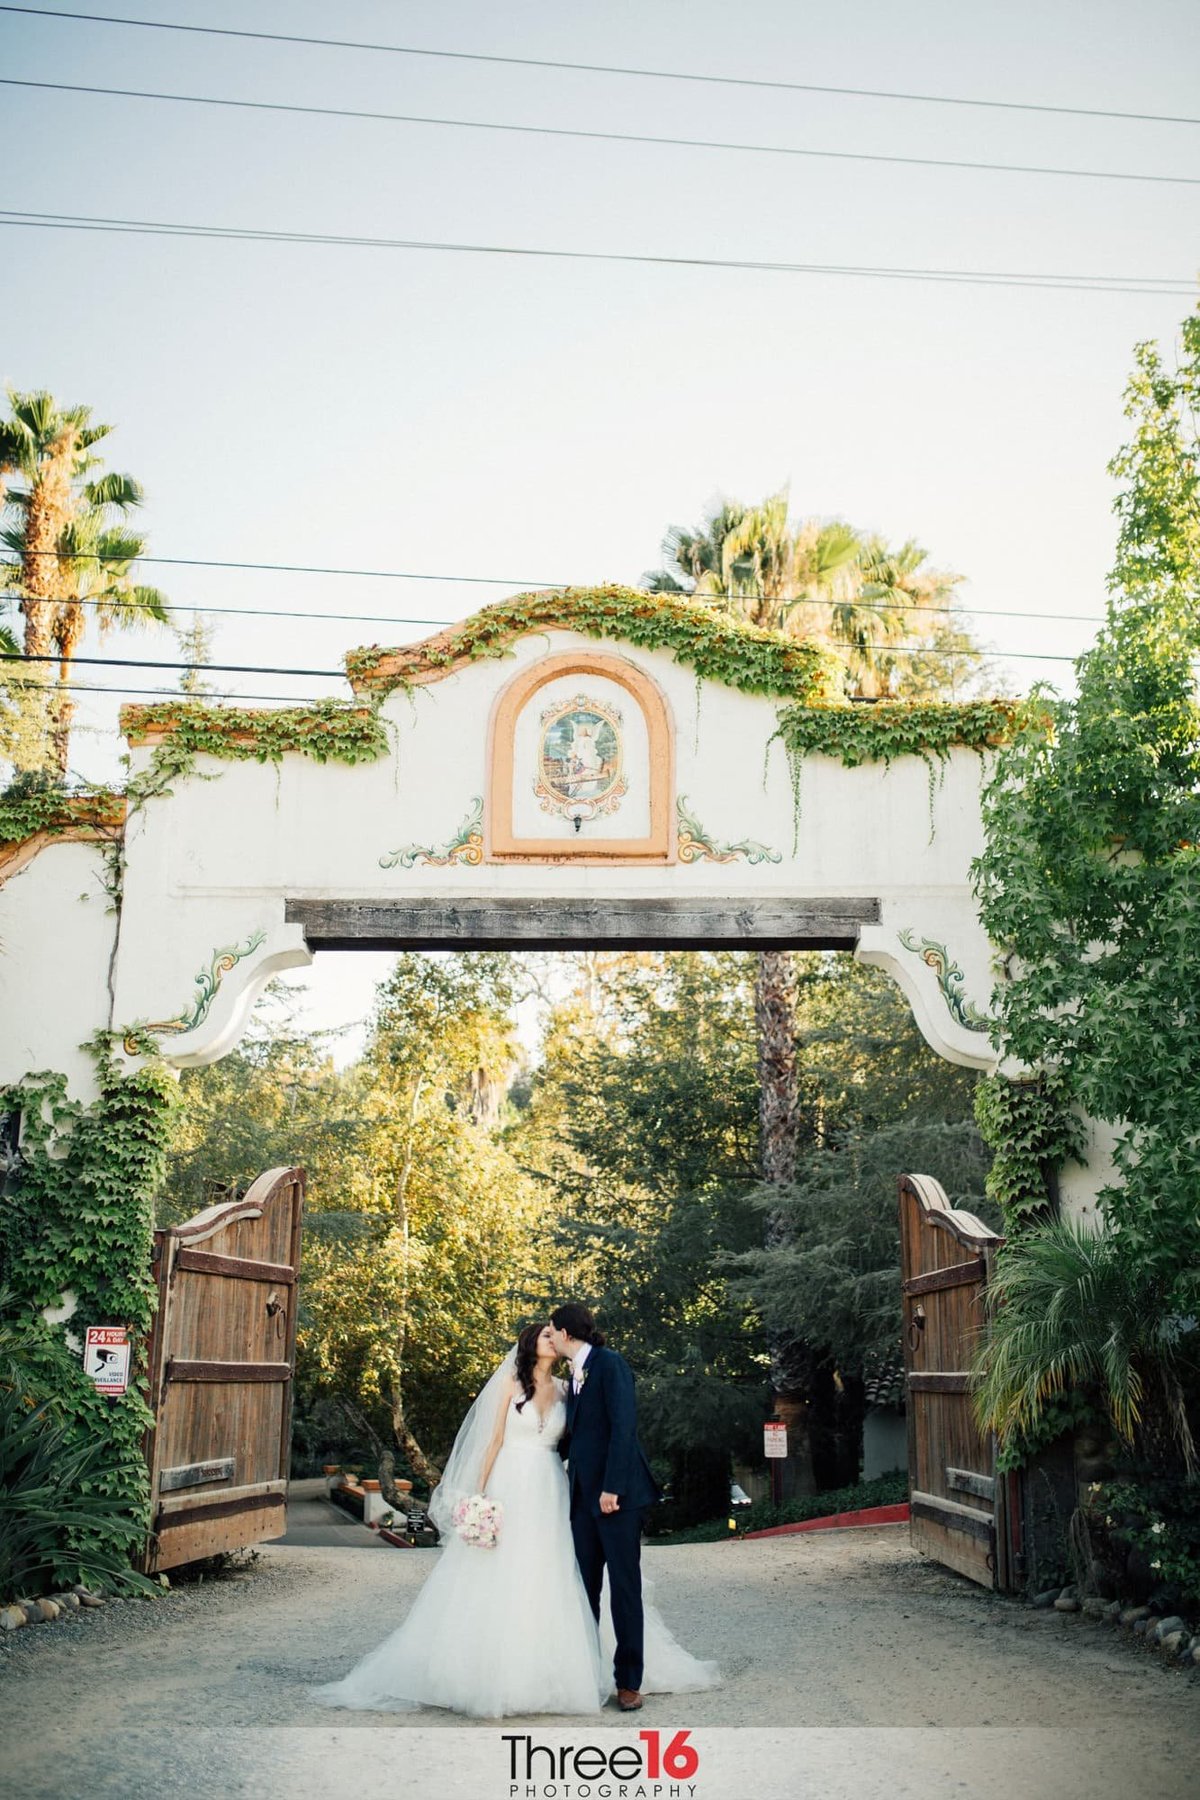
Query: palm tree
[69, 551]
[824, 580]
[775, 1013]
[1073, 1310]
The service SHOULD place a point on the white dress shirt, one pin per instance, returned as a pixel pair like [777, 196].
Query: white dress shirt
[577, 1362]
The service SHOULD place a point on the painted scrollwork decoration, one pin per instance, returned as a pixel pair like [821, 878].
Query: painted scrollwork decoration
[950, 979]
[208, 982]
[695, 844]
[580, 760]
[465, 846]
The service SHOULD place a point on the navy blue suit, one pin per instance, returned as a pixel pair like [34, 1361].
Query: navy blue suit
[605, 1457]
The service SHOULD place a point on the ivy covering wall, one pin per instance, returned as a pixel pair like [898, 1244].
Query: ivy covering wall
[711, 643]
[77, 1220]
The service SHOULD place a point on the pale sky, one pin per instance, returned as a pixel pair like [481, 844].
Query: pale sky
[544, 422]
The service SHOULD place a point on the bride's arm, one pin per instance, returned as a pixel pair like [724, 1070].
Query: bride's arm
[497, 1437]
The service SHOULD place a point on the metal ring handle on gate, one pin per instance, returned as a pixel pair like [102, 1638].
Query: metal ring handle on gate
[916, 1325]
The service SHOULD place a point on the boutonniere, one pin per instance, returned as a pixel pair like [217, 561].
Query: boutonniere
[581, 1378]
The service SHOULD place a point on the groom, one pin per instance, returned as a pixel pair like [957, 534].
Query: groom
[610, 1482]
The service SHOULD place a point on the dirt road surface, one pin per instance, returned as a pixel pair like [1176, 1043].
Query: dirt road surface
[851, 1667]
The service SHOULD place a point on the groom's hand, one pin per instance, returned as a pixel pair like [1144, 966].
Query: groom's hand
[609, 1503]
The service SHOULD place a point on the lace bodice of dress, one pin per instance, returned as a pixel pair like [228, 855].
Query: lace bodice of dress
[522, 1427]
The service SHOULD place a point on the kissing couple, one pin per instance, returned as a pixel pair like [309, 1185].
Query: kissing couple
[529, 1623]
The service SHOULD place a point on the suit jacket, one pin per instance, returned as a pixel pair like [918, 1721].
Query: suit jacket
[601, 1441]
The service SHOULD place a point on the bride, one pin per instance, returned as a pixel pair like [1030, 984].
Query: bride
[509, 1629]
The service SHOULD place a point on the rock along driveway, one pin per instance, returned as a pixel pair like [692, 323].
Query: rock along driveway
[852, 1666]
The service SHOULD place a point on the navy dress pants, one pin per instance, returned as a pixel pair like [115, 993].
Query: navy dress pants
[614, 1541]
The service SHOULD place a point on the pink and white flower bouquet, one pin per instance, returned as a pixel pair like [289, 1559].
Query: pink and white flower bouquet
[478, 1520]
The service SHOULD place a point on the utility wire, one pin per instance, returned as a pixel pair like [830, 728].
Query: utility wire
[605, 137]
[1092, 284]
[130, 662]
[965, 614]
[540, 62]
[200, 562]
[84, 687]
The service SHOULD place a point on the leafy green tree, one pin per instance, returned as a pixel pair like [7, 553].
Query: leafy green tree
[870, 1100]
[643, 1130]
[1091, 876]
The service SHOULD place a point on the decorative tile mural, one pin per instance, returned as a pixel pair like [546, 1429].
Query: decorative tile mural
[581, 757]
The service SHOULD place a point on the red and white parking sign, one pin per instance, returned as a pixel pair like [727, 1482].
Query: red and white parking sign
[106, 1357]
[774, 1439]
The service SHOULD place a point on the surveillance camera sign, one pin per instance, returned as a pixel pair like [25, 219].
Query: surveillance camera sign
[106, 1357]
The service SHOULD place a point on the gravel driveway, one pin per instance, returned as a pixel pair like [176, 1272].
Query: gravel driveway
[862, 1668]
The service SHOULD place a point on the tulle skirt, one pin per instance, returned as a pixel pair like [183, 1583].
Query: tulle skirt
[509, 1630]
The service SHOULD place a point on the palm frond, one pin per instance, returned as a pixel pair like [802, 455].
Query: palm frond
[1070, 1311]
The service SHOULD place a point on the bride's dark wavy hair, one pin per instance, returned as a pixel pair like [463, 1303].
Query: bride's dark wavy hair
[527, 1344]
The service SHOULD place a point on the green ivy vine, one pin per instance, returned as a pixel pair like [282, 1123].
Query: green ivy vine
[33, 803]
[1031, 1130]
[327, 731]
[885, 729]
[78, 1218]
[715, 646]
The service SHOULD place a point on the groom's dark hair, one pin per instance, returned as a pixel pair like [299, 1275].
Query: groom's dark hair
[577, 1322]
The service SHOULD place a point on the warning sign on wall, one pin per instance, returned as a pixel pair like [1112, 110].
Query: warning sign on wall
[106, 1357]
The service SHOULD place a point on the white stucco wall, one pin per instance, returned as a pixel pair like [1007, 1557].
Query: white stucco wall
[56, 939]
[211, 867]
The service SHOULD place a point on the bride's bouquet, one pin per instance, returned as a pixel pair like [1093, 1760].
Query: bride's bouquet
[477, 1521]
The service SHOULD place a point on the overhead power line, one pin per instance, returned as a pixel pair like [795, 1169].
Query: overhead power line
[1092, 284]
[131, 662]
[587, 68]
[963, 613]
[605, 137]
[88, 687]
[202, 562]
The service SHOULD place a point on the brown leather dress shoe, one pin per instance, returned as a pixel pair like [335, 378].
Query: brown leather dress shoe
[629, 1700]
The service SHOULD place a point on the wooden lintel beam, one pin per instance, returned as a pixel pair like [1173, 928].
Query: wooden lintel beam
[521, 923]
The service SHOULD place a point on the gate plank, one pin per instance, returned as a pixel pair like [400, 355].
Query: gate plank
[227, 1371]
[245, 1268]
[965, 1481]
[953, 1515]
[196, 1474]
[956, 1275]
[937, 1381]
[227, 1499]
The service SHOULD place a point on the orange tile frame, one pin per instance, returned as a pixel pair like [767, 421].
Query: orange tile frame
[658, 846]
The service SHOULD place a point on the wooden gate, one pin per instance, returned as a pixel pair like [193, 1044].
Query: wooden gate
[958, 1505]
[221, 1362]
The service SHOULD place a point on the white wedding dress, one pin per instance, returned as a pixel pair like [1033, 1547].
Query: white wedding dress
[509, 1630]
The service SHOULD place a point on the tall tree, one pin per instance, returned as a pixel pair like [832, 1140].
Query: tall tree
[1091, 874]
[69, 548]
[775, 1013]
